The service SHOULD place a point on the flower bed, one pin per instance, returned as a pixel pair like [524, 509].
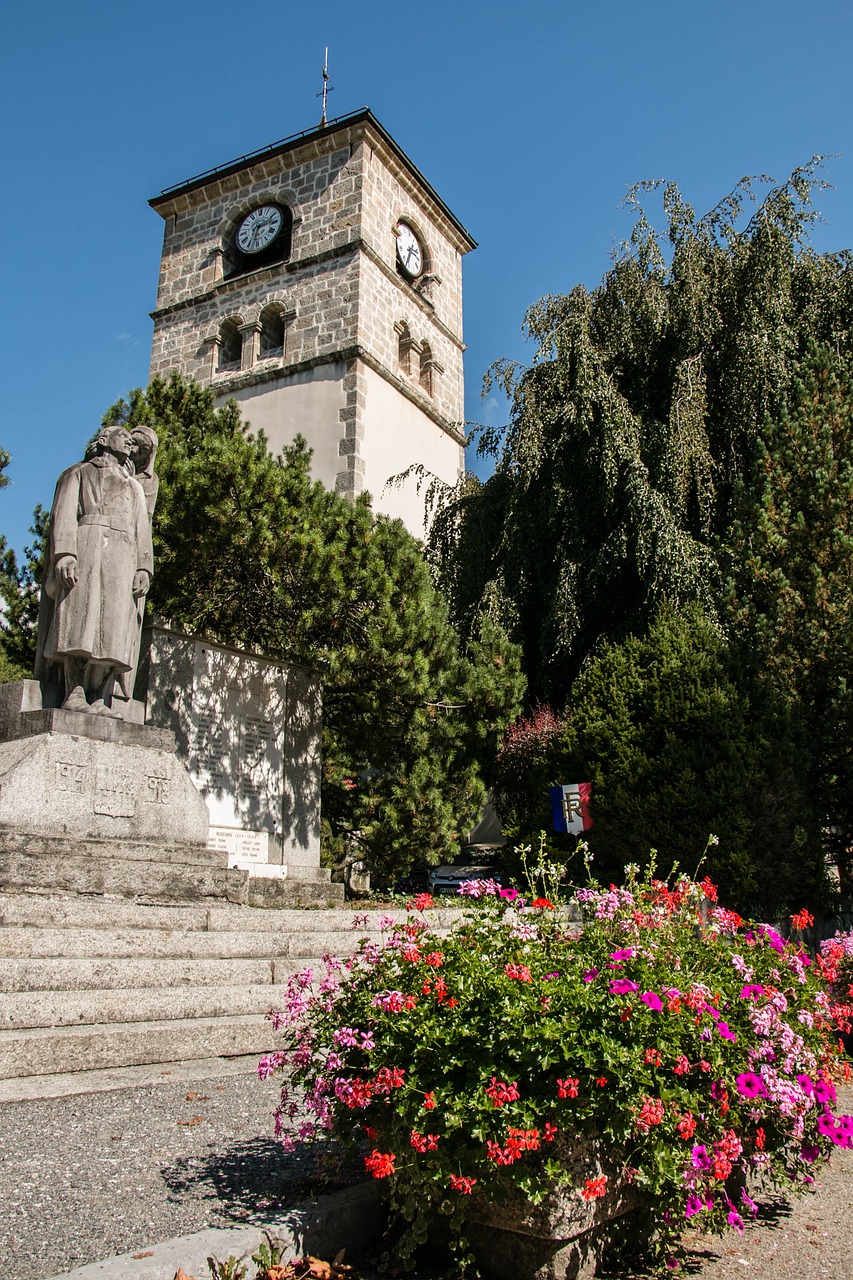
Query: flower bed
[691, 1047]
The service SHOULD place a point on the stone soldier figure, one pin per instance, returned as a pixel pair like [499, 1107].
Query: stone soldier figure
[98, 565]
[143, 451]
[142, 454]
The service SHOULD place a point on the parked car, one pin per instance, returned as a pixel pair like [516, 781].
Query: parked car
[474, 863]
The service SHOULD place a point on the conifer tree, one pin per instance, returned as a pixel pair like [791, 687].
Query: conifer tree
[251, 552]
[679, 742]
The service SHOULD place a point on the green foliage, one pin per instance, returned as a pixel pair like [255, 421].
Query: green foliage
[682, 439]
[650, 1049]
[230, 1268]
[19, 591]
[250, 551]
[632, 433]
[678, 741]
[789, 561]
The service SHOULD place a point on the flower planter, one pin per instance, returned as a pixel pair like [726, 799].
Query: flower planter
[564, 1236]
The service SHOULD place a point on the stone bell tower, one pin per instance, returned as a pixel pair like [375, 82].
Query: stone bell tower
[319, 283]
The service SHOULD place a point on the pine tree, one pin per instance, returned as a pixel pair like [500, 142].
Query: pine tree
[251, 552]
[19, 591]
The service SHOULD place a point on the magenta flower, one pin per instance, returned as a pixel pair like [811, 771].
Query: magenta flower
[699, 1158]
[509, 894]
[624, 953]
[694, 1205]
[623, 986]
[589, 974]
[771, 936]
[725, 1031]
[809, 1153]
[750, 1203]
[735, 1220]
[825, 1092]
[826, 1125]
[752, 990]
[749, 1085]
[805, 1084]
[653, 1000]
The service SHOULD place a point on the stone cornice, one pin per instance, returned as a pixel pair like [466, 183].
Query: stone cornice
[228, 385]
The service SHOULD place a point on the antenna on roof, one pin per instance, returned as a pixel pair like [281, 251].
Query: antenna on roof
[327, 88]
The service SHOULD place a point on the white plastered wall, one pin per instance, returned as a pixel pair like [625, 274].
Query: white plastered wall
[307, 403]
[395, 433]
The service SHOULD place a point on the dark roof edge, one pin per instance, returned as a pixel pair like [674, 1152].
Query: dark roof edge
[363, 115]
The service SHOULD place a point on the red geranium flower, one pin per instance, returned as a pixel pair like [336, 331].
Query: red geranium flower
[380, 1164]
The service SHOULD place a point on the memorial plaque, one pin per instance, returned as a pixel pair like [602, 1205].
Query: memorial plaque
[249, 729]
[248, 846]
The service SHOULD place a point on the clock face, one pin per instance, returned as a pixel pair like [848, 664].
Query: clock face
[259, 228]
[409, 252]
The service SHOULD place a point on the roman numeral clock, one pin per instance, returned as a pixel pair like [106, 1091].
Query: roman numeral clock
[319, 282]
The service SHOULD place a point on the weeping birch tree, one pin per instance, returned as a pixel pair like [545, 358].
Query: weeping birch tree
[633, 441]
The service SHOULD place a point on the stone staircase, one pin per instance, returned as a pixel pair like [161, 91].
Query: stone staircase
[113, 963]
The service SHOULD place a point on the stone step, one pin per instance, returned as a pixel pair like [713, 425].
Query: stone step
[110, 974]
[27, 1009]
[69, 911]
[122, 944]
[127, 878]
[35, 910]
[92, 1048]
[36, 845]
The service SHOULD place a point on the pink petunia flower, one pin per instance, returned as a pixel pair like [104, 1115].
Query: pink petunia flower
[749, 1085]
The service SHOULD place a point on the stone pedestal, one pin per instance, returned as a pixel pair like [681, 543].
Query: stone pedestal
[248, 730]
[87, 776]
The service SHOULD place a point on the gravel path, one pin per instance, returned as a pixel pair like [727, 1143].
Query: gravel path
[89, 1176]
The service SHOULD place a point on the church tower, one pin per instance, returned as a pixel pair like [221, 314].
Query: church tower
[319, 283]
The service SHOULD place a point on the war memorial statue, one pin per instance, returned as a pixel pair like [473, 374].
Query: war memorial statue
[213, 752]
[98, 569]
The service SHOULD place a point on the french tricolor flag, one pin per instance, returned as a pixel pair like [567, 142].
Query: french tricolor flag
[570, 807]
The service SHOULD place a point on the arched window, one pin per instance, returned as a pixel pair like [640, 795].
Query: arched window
[271, 338]
[230, 347]
[404, 347]
[426, 367]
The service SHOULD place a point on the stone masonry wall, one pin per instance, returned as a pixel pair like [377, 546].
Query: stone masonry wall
[432, 311]
[316, 286]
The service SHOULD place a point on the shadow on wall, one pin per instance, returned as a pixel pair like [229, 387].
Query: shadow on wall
[249, 731]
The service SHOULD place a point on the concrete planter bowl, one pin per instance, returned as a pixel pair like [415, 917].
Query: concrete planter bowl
[565, 1236]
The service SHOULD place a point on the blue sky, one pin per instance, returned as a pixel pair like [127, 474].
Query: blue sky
[530, 120]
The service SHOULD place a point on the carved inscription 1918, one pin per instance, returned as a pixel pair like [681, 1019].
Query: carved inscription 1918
[111, 791]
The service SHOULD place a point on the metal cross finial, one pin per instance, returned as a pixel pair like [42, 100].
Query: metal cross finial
[327, 88]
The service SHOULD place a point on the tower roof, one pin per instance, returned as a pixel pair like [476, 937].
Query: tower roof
[362, 120]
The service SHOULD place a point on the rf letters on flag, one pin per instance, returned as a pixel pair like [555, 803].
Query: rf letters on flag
[570, 807]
